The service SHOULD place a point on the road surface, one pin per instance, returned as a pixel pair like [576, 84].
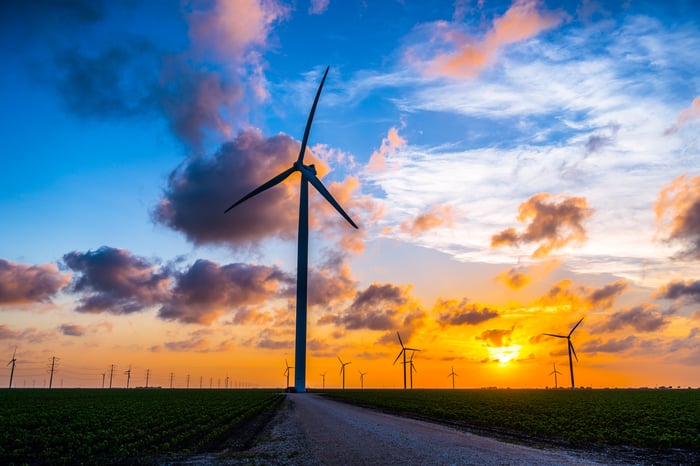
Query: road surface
[312, 430]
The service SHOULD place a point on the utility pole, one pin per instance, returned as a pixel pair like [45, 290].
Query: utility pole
[148, 373]
[128, 376]
[200, 382]
[226, 386]
[211, 382]
[12, 371]
[111, 374]
[188, 380]
[103, 379]
[53, 365]
[171, 380]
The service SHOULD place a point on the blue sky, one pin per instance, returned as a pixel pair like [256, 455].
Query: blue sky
[494, 153]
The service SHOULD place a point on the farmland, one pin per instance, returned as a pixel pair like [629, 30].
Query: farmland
[658, 419]
[116, 426]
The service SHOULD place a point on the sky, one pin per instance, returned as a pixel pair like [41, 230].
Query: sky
[513, 167]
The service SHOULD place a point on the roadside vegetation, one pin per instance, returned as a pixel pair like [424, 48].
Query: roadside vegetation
[74, 426]
[659, 419]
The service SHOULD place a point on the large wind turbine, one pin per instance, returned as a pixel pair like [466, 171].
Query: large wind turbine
[403, 352]
[453, 374]
[12, 371]
[342, 369]
[286, 371]
[571, 349]
[362, 378]
[308, 175]
[555, 372]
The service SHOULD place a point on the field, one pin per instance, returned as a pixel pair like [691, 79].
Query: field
[658, 419]
[125, 426]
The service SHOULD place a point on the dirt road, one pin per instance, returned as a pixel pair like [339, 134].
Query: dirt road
[311, 430]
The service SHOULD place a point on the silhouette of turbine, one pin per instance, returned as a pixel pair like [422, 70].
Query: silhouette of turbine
[555, 372]
[453, 374]
[571, 349]
[342, 369]
[362, 379]
[403, 352]
[308, 175]
[323, 375]
[286, 371]
[12, 371]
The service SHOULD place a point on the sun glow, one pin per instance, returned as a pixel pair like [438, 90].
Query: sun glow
[504, 354]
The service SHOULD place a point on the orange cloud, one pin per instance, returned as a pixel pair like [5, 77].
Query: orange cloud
[513, 278]
[453, 312]
[467, 56]
[437, 216]
[20, 283]
[390, 144]
[555, 221]
[678, 214]
[686, 115]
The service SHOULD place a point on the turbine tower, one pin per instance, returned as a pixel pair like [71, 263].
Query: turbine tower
[403, 352]
[412, 368]
[571, 349]
[308, 175]
[286, 371]
[342, 369]
[362, 378]
[12, 371]
[555, 372]
[453, 374]
[323, 375]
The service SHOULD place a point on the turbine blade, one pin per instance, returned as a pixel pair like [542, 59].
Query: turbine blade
[577, 324]
[411, 349]
[397, 357]
[553, 335]
[571, 345]
[311, 118]
[400, 341]
[324, 192]
[276, 180]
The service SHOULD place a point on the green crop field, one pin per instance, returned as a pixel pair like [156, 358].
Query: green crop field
[636, 418]
[123, 426]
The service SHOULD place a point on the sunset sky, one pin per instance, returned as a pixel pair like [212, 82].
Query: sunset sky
[513, 166]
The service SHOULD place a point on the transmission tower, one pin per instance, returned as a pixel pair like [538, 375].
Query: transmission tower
[128, 376]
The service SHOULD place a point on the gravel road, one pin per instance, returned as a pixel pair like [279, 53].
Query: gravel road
[312, 430]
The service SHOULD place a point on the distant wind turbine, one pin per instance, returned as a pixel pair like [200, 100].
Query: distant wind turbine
[286, 371]
[453, 374]
[323, 375]
[362, 379]
[555, 372]
[308, 175]
[571, 349]
[342, 369]
[12, 361]
[403, 352]
[412, 368]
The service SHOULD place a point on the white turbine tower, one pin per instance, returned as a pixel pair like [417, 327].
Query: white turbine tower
[308, 175]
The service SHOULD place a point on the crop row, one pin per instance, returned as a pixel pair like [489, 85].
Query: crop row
[640, 418]
[108, 426]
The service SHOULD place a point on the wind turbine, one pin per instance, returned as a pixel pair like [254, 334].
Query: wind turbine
[324, 379]
[362, 379]
[342, 369]
[286, 371]
[555, 372]
[12, 371]
[308, 175]
[453, 374]
[571, 349]
[412, 369]
[403, 352]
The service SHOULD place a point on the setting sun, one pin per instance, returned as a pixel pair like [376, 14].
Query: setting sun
[505, 354]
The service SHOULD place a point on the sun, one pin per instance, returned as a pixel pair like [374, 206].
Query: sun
[504, 354]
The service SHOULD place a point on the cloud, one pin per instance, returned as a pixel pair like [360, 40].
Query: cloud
[331, 282]
[453, 312]
[437, 216]
[605, 297]
[514, 278]
[22, 284]
[565, 293]
[29, 335]
[612, 345]
[599, 140]
[392, 143]
[644, 317]
[688, 114]
[115, 281]
[555, 221]
[201, 189]
[73, 330]
[678, 214]
[318, 7]
[465, 56]
[207, 290]
[496, 337]
[680, 289]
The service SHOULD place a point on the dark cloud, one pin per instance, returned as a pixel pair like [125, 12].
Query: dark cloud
[677, 289]
[73, 330]
[605, 297]
[678, 215]
[28, 335]
[331, 282]
[201, 189]
[375, 308]
[514, 278]
[115, 281]
[496, 337]
[21, 283]
[451, 312]
[600, 140]
[554, 222]
[207, 290]
[644, 317]
[612, 345]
